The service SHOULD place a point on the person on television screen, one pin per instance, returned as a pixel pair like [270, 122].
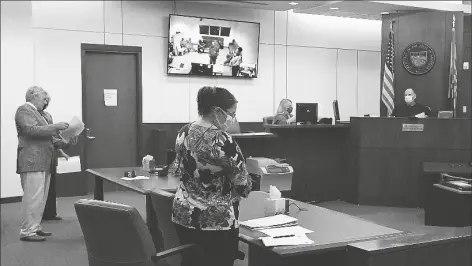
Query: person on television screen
[214, 52]
[411, 108]
[284, 113]
[233, 47]
[201, 46]
[236, 61]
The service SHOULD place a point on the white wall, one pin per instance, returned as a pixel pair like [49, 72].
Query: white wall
[17, 76]
[301, 56]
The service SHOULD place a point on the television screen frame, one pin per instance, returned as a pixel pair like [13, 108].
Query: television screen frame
[213, 76]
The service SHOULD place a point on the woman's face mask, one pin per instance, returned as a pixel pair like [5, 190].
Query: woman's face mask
[228, 120]
[289, 109]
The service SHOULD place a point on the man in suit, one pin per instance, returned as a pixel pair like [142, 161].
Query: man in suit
[411, 108]
[50, 210]
[36, 142]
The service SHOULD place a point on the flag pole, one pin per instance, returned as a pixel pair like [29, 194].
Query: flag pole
[454, 99]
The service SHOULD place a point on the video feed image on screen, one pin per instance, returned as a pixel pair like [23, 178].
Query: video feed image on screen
[212, 47]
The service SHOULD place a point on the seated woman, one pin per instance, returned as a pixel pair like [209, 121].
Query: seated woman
[214, 178]
[284, 113]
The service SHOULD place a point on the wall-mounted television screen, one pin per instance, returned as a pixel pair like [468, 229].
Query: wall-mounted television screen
[212, 47]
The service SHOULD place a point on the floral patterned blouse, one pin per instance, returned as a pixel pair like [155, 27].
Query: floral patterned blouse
[213, 179]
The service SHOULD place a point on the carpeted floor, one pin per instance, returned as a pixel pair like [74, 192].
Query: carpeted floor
[66, 247]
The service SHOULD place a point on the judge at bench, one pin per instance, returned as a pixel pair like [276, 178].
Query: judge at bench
[411, 107]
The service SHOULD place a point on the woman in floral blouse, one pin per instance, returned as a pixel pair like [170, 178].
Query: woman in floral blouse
[213, 180]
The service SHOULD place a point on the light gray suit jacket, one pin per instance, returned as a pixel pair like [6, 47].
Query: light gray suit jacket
[36, 140]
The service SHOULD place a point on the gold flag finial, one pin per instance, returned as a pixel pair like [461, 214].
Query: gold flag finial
[453, 21]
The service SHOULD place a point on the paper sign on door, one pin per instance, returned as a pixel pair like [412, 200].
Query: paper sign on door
[110, 96]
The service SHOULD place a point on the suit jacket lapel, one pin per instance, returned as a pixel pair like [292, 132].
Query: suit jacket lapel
[39, 118]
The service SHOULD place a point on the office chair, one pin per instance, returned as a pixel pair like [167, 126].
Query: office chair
[162, 203]
[116, 235]
[268, 120]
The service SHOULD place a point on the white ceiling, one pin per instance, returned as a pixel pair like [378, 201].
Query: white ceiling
[352, 9]
[357, 9]
[267, 5]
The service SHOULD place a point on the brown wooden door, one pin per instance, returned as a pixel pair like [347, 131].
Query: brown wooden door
[111, 131]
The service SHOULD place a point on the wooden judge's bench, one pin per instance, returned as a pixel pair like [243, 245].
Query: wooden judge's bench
[371, 161]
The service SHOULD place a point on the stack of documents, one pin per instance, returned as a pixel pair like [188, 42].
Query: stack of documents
[279, 220]
[294, 240]
[281, 230]
[286, 236]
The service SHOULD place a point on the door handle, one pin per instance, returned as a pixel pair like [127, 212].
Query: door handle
[87, 134]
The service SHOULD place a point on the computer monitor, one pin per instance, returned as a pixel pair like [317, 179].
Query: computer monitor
[336, 110]
[307, 113]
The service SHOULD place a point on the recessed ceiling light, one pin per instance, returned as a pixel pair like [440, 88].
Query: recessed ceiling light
[293, 3]
[334, 8]
[384, 13]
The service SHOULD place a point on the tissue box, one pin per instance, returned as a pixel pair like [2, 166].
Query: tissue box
[274, 206]
[148, 163]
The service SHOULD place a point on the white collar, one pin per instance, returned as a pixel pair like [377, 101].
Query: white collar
[32, 105]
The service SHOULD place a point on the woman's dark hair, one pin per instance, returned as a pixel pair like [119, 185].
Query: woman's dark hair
[210, 97]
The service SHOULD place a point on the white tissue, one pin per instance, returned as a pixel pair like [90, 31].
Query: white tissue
[274, 193]
[275, 204]
[146, 160]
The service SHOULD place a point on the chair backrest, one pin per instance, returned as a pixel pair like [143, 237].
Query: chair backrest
[115, 234]
[268, 120]
[162, 203]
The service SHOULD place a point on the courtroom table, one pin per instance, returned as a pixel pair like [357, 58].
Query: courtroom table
[446, 206]
[386, 156]
[332, 233]
[317, 153]
[441, 247]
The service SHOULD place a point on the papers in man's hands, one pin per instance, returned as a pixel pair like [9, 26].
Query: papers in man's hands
[270, 222]
[70, 165]
[287, 230]
[135, 178]
[286, 241]
[75, 128]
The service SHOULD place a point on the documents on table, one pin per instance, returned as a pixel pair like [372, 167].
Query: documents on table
[75, 128]
[293, 240]
[270, 222]
[135, 178]
[283, 231]
[71, 165]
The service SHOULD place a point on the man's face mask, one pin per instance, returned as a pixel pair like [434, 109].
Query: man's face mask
[408, 98]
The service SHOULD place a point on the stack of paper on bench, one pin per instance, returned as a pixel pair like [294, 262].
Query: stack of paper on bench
[279, 220]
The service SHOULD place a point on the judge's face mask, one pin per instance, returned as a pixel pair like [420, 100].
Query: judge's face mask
[408, 98]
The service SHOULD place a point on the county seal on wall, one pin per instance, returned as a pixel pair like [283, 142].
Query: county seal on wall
[418, 58]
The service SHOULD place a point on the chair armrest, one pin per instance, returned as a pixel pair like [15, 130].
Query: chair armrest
[166, 253]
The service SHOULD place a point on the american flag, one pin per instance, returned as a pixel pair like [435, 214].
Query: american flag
[452, 92]
[388, 93]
